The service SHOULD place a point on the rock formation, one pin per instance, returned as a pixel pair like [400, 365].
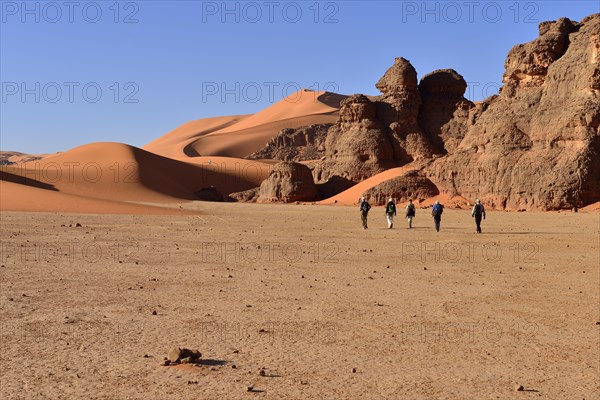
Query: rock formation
[537, 144]
[412, 185]
[444, 112]
[373, 135]
[398, 109]
[288, 182]
[209, 194]
[295, 144]
[357, 147]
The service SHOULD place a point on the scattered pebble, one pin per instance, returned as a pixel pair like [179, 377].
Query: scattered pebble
[519, 388]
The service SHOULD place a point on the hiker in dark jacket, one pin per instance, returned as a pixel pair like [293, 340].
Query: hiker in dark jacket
[478, 212]
[390, 212]
[436, 213]
[410, 213]
[364, 211]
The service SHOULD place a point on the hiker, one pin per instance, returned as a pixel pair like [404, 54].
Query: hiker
[436, 212]
[410, 213]
[364, 211]
[390, 212]
[478, 212]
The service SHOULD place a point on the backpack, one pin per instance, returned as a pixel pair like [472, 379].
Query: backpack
[390, 208]
[437, 210]
[365, 207]
[478, 208]
[410, 210]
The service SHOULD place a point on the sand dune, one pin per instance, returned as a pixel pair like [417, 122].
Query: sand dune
[18, 197]
[350, 196]
[118, 172]
[246, 141]
[172, 168]
[174, 143]
[240, 136]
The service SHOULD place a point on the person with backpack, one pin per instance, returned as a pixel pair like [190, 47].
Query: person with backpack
[390, 212]
[410, 213]
[436, 213]
[364, 211]
[478, 212]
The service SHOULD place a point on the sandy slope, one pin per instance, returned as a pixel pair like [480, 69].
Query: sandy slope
[118, 172]
[350, 196]
[240, 136]
[17, 197]
[419, 315]
[175, 143]
[199, 154]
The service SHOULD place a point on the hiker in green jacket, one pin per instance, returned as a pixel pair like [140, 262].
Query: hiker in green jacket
[390, 212]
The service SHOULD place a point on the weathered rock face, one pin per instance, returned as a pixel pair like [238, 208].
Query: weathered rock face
[357, 147]
[295, 144]
[444, 113]
[374, 135]
[398, 109]
[537, 144]
[247, 196]
[413, 185]
[288, 182]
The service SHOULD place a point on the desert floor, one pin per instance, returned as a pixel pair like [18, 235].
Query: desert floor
[329, 311]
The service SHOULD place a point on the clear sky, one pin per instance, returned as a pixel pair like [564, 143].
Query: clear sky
[130, 71]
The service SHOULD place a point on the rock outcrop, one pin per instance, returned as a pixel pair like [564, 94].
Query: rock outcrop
[375, 134]
[209, 194]
[444, 113]
[247, 196]
[288, 182]
[295, 144]
[358, 146]
[537, 144]
[413, 185]
[398, 109]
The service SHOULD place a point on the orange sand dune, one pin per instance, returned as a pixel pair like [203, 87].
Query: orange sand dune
[174, 143]
[17, 197]
[240, 136]
[351, 196]
[244, 142]
[118, 172]
[300, 104]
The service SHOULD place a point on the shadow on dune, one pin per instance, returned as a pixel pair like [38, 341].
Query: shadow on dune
[189, 151]
[183, 180]
[22, 180]
[331, 99]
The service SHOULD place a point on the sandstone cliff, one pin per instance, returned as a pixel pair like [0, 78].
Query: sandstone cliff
[537, 144]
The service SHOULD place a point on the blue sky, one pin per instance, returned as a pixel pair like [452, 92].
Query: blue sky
[130, 71]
